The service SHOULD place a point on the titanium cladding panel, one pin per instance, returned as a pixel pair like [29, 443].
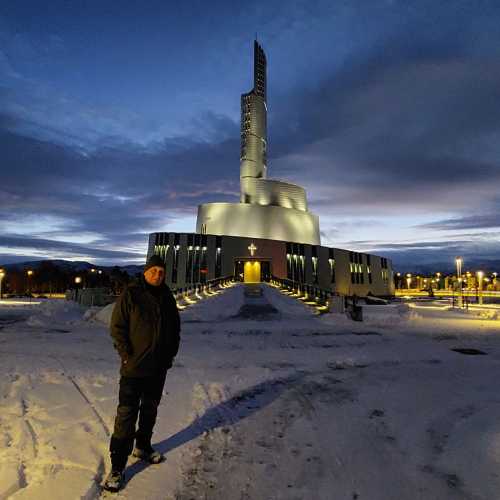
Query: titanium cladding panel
[258, 221]
[253, 137]
[273, 192]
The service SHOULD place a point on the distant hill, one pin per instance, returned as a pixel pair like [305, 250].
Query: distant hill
[428, 268]
[72, 265]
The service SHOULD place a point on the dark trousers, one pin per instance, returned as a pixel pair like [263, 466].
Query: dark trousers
[138, 397]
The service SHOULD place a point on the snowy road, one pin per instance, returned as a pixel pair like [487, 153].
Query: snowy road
[286, 405]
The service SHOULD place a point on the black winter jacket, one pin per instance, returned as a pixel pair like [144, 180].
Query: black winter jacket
[145, 329]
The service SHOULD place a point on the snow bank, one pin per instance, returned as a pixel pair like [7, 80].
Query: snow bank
[386, 315]
[100, 314]
[104, 315]
[53, 311]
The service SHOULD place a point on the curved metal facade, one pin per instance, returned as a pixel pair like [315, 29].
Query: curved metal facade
[274, 192]
[258, 221]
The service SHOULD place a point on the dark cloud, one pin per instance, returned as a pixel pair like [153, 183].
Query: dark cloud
[436, 254]
[470, 222]
[22, 242]
[114, 189]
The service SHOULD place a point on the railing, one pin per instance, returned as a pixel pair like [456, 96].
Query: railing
[318, 295]
[321, 298]
[198, 290]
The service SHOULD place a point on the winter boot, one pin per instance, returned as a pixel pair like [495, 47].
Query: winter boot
[114, 481]
[148, 454]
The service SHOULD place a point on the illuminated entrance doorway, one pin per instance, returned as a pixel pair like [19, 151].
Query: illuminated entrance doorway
[251, 271]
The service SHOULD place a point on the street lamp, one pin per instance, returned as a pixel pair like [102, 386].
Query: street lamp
[29, 273]
[93, 272]
[78, 280]
[2, 274]
[459, 261]
[408, 280]
[480, 275]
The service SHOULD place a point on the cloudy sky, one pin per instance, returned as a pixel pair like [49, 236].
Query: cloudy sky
[118, 118]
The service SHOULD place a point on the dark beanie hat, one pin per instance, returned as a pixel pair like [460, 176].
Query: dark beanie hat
[154, 260]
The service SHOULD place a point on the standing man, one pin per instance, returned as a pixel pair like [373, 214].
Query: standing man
[145, 328]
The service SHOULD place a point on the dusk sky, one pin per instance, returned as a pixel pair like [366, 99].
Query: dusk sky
[118, 118]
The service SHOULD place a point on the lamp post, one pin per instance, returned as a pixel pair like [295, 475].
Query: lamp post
[438, 280]
[29, 273]
[480, 275]
[2, 274]
[459, 261]
[93, 277]
[408, 280]
[78, 280]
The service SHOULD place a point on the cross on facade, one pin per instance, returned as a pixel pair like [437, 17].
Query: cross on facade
[252, 248]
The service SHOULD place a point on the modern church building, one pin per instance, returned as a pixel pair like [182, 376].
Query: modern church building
[270, 232]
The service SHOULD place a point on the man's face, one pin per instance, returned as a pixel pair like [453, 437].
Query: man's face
[154, 275]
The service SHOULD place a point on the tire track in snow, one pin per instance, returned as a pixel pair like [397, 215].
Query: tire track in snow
[91, 405]
[21, 468]
[85, 397]
[95, 489]
[99, 474]
[34, 437]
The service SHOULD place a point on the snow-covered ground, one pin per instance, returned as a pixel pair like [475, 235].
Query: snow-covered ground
[265, 401]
